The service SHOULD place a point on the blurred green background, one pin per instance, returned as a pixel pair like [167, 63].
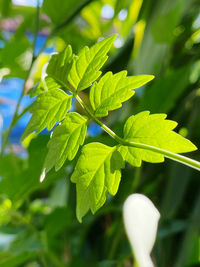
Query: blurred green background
[38, 226]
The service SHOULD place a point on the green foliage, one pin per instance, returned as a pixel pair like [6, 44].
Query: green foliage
[170, 19]
[50, 7]
[38, 226]
[17, 49]
[60, 65]
[65, 140]
[97, 171]
[44, 85]
[49, 108]
[112, 90]
[85, 67]
[155, 131]
[157, 100]
[96, 174]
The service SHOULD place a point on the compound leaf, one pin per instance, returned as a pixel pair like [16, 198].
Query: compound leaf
[112, 90]
[152, 130]
[97, 173]
[65, 140]
[86, 66]
[49, 107]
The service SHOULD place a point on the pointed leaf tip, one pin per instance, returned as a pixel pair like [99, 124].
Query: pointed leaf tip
[86, 66]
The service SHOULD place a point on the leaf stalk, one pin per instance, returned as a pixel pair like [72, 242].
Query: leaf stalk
[173, 156]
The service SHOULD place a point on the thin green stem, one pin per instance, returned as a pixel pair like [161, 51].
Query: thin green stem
[136, 180]
[176, 157]
[7, 133]
[103, 126]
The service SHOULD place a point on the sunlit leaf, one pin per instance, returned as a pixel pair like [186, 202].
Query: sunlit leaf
[97, 172]
[112, 90]
[50, 107]
[86, 66]
[152, 130]
[65, 140]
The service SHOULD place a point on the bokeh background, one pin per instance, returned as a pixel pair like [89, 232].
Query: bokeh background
[38, 226]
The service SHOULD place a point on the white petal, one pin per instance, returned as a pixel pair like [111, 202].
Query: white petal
[141, 221]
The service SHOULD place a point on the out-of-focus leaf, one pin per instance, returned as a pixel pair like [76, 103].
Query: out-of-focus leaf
[174, 227]
[189, 252]
[92, 15]
[26, 241]
[107, 263]
[152, 55]
[165, 91]
[23, 247]
[57, 220]
[175, 191]
[163, 26]
[19, 180]
[5, 6]
[9, 260]
[60, 10]
[16, 57]
[59, 194]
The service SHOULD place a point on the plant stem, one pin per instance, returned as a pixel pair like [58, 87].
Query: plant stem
[7, 133]
[103, 126]
[176, 157]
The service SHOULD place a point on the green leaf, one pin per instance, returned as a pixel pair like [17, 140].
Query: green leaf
[157, 100]
[96, 174]
[14, 182]
[112, 90]
[65, 141]
[49, 107]
[14, 57]
[166, 22]
[59, 11]
[60, 65]
[152, 130]
[86, 66]
[43, 86]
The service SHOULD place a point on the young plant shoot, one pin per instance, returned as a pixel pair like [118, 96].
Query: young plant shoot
[147, 137]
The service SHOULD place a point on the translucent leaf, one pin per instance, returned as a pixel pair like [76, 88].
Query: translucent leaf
[112, 90]
[86, 66]
[65, 140]
[152, 130]
[60, 65]
[49, 107]
[43, 86]
[97, 172]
